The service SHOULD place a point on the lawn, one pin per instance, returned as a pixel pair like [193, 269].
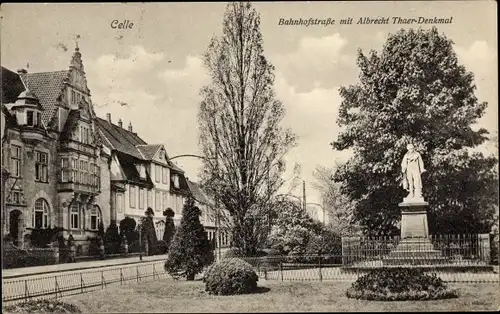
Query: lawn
[274, 296]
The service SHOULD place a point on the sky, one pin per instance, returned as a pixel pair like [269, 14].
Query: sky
[155, 67]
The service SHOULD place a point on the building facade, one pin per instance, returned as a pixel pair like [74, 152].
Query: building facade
[62, 166]
[52, 151]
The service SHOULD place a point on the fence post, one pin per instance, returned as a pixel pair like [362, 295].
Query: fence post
[319, 269]
[81, 282]
[102, 279]
[281, 270]
[26, 290]
[56, 286]
[137, 269]
[121, 276]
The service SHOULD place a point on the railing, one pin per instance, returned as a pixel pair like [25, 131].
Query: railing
[65, 284]
[437, 249]
[330, 267]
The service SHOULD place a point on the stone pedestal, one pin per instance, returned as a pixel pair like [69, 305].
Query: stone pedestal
[415, 247]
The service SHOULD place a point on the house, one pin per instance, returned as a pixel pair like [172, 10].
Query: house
[52, 151]
[209, 216]
[141, 175]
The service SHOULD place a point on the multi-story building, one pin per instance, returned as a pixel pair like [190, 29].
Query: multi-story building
[53, 153]
[65, 167]
[141, 175]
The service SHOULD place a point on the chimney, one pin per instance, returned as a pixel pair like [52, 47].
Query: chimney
[120, 123]
[22, 71]
[130, 126]
[108, 116]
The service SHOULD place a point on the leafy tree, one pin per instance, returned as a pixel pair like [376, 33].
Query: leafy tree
[293, 229]
[338, 206]
[239, 123]
[169, 232]
[148, 232]
[190, 249]
[415, 91]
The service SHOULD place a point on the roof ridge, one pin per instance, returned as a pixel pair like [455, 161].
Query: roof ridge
[46, 72]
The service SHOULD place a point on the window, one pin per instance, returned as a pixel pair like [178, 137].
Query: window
[16, 161]
[165, 202]
[157, 200]
[176, 181]
[16, 197]
[95, 218]
[38, 119]
[164, 175]
[141, 198]
[119, 202]
[75, 216]
[41, 214]
[157, 173]
[74, 171]
[41, 166]
[73, 98]
[98, 177]
[30, 119]
[131, 195]
[150, 198]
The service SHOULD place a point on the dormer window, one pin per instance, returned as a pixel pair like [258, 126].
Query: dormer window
[33, 118]
[176, 181]
[142, 171]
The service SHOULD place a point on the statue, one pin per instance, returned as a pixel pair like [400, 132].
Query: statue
[412, 167]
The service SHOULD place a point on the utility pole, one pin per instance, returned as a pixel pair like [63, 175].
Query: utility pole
[304, 195]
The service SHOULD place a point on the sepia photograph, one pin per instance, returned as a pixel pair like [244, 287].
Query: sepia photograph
[227, 157]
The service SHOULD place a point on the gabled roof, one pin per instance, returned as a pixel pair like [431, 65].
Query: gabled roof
[127, 164]
[120, 139]
[197, 192]
[12, 86]
[149, 151]
[47, 86]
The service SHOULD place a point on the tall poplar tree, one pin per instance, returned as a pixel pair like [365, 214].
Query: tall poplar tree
[239, 127]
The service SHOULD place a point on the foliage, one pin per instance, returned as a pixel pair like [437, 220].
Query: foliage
[328, 244]
[293, 229]
[169, 231]
[14, 257]
[190, 249]
[338, 206]
[127, 227]
[229, 277]
[112, 239]
[42, 238]
[148, 232]
[42, 306]
[162, 247]
[415, 91]
[399, 284]
[239, 123]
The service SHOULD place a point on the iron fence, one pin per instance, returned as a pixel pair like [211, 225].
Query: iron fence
[328, 267]
[66, 284]
[458, 250]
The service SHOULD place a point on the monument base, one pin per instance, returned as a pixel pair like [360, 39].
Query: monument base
[415, 247]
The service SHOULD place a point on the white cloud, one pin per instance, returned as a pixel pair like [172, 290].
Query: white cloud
[312, 117]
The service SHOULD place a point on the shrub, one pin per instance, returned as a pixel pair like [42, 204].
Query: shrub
[328, 244]
[234, 252]
[15, 258]
[42, 306]
[190, 249]
[399, 284]
[41, 238]
[112, 239]
[162, 247]
[128, 227]
[230, 276]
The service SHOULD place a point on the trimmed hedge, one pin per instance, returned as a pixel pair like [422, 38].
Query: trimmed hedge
[399, 284]
[229, 277]
[42, 306]
[14, 257]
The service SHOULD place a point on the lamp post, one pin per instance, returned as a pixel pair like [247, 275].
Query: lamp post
[140, 239]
